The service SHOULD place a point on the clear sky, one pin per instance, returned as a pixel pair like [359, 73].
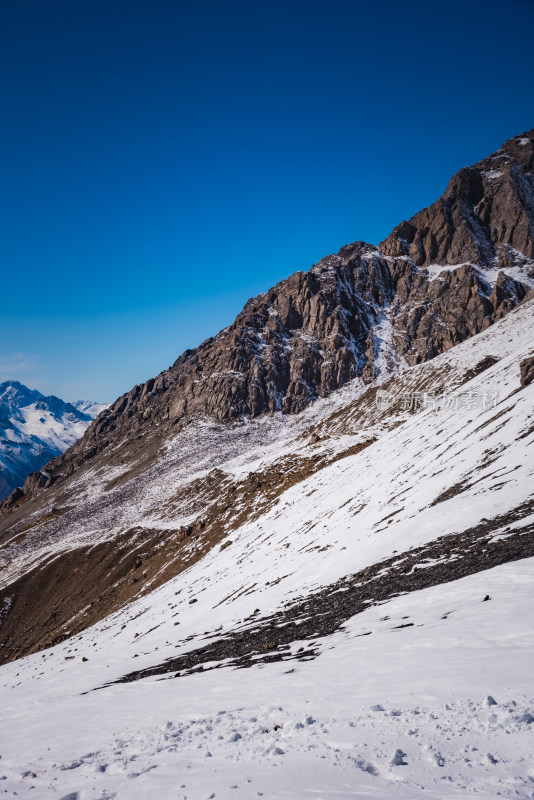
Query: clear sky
[164, 160]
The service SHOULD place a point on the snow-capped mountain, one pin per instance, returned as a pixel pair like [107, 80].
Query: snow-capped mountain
[300, 562]
[89, 407]
[34, 429]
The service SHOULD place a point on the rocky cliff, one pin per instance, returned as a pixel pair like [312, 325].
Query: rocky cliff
[485, 215]
[165, 479]
[439, 278]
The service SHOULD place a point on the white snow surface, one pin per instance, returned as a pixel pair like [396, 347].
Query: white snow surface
[57, 432]
[443, 708]
[521, 273]
[89, 407]
[328, 728]
[492, 174]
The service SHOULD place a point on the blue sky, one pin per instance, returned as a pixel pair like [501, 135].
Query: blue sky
[165, 161]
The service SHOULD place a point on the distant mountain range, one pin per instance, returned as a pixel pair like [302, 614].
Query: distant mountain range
[35, 428]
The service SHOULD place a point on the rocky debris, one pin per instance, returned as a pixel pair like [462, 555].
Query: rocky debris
[451, 492]
[447, 559]
[355, 314]
[527, 371]
[484, 364]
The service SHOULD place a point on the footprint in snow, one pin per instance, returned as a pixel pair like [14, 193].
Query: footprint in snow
[434, 756]
[73, 765]
[366, 766]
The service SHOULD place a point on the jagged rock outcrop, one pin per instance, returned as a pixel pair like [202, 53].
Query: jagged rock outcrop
[486, 215]
[361, 312]
[527, 371]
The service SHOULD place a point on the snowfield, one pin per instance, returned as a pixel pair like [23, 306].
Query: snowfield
[422, 692]
[331, 727]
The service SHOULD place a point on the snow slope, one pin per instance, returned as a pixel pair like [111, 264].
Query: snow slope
[327, 728]
[423, 692]
[34, 429]
[89, 407]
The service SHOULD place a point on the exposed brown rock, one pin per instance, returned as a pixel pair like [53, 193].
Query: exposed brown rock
[486, 215]
[316, 331]
[527, 371]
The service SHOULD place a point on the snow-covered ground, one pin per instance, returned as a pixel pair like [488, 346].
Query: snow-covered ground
[425, 694]
[398, 713]
[522, 273]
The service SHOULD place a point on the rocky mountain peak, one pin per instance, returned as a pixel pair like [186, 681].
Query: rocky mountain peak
[485, 216]
[444, 275]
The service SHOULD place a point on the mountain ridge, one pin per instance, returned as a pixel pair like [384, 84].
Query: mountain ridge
[358, 314]
[175, 469]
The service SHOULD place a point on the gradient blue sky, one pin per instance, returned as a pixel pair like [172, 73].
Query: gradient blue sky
[164, 161]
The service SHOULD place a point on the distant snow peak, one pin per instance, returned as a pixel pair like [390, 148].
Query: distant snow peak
[35, 428]
[89, 407]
